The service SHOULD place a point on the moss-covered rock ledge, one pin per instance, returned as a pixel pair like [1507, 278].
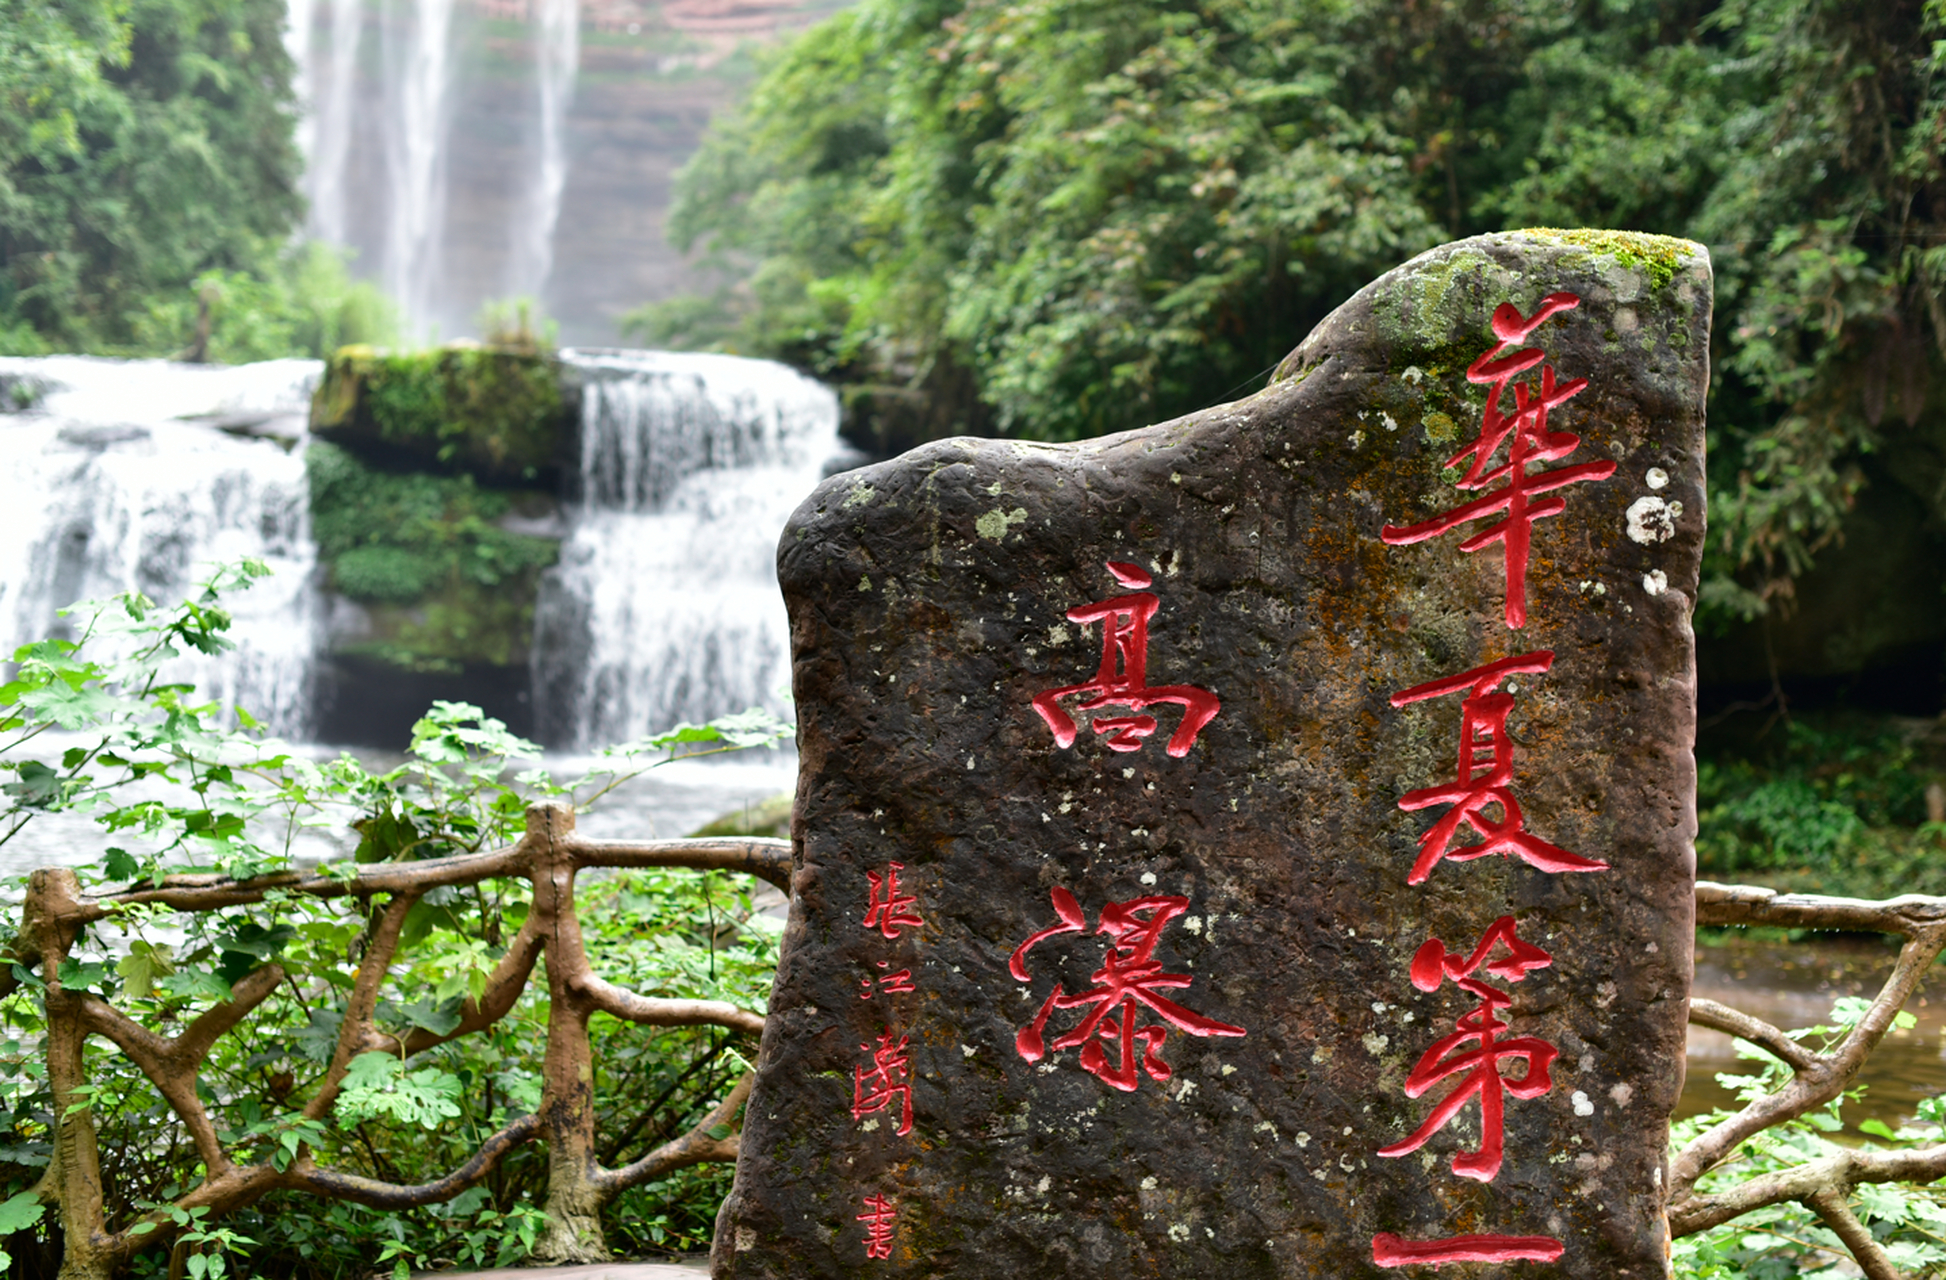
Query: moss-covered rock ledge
[500, 414]
[434, 480]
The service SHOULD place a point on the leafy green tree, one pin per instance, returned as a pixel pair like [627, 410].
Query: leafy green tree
[145, 143]
[1065, 217]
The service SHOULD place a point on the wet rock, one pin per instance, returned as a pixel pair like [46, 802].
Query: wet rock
[1138, 955]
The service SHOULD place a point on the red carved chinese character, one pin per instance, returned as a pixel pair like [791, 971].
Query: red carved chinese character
[1130, 976]
[887, 911]
[874, 1090]
[1484, 776]
[1532, 443]
[879, 1215]
[1430, 968]
[1122, 680]
[1389, 1250]
[891, 984]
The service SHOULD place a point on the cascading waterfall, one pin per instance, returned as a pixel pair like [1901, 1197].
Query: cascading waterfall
[664, 606]
[141, 475]
[418, 49]
[557, 57]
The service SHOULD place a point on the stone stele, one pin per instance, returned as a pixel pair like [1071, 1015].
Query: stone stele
[1217, 853]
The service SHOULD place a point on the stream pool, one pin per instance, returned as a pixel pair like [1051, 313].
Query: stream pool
[1792, 984]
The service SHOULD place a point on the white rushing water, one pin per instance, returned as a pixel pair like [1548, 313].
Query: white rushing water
[140, 475]
[557, 58]
[665, 606]
[418, 56]
[328, 80]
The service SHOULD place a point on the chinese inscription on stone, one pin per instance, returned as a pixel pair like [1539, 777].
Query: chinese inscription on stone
[1380, 962]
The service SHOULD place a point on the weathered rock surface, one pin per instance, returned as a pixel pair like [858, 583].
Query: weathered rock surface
[1234, 905]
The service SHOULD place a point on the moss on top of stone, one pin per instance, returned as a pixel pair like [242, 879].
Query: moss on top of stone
[1659, 256]
[492, 412]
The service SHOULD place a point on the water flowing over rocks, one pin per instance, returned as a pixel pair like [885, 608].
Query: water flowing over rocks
[139, 476]
[664, 604]
[1257, 845]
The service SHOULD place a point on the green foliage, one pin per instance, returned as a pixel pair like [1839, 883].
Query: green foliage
[1788, 1240]
[407, 538]
[144, 144]
[302, 303]
[1826, 806]
[493, 412]
[1076, 216]
[174, 790]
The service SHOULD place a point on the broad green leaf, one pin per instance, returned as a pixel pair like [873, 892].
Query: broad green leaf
[20, 1212]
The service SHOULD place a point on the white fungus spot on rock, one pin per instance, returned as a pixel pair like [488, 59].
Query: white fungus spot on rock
[1651, 520]
[1582, 1107]
[1657, 478]
[1148, 877]
[1655, 582]
[1622, 1093]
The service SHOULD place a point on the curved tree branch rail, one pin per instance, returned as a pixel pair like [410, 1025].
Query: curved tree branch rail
[548, 856]
[1822, 1186]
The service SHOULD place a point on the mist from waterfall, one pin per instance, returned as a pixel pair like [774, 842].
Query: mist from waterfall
[664, 606]
[557, 57]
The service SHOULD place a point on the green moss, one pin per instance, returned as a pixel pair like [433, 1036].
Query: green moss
[495, 413]
[1659, 256]
[444, 582]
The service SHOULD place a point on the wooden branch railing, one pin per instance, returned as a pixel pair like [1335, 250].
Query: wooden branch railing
[548, 856]
[1823, 1186]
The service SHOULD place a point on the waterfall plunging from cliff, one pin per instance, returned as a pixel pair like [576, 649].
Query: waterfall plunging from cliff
[557, 57]
[139, 476]
[664, 606]
[379, 140]
[417, 55]
[327, 91]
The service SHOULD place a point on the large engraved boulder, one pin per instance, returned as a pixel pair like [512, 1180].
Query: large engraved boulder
[1258, 844]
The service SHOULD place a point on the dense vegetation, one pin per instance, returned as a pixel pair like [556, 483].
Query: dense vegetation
[175, 790]
[1056, 218]
[443, 582]
[148, 186]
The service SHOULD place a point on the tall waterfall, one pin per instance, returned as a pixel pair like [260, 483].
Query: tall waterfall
[664, 606]
[557, 58]
[417, 56]
[141, 475]
[381, 151]
[327, 81]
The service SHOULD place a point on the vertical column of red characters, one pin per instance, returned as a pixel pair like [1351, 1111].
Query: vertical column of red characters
[1481, 796]
[881, 1081]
